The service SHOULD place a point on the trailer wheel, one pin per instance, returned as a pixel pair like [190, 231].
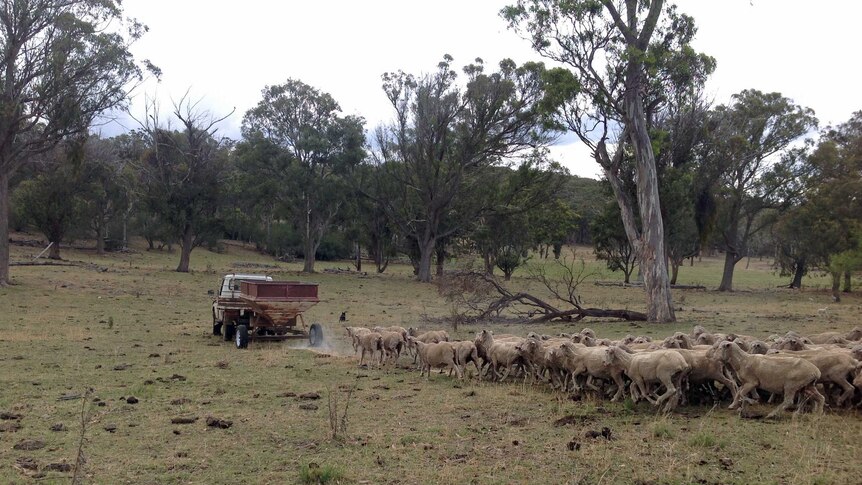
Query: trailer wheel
[241, 336]
[229, 330]
[315, 335]
[216, 326]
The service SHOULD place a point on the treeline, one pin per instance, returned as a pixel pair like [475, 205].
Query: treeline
[463, 167]
[306, 183]
[464, 172]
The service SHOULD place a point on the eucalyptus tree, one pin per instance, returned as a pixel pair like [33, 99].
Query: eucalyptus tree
[755, 168]
[622, 59]
[53, 201]
[314, 148]
[182, 175]
[62, 63]
[824, 229]
[445, 141]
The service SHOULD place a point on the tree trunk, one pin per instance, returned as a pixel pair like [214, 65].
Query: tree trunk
[836, 284]
[674, 271]
[727, 276]
[426, 251]
[847, 282]
[185, 249]
[100, 240]
[358, 250]
[54, 252]
[652, 248]
[798, 274]
[4, 229]
[308, 248]
[489, 265]
[307, 243]
[441, 260]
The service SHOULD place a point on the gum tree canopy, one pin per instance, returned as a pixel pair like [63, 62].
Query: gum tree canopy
[624, 60]
[62, 63]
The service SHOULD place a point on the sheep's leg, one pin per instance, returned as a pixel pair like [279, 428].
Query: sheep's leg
[848, 391]
[741, 394]
[671, 394]
[590, 384]
[644, 389]
[789, 397]
[730, 384]
[819, 400]
[621, 387]
[362, 357]
[506, 374]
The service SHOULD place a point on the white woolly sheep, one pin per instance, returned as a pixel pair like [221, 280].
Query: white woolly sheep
[773, 373]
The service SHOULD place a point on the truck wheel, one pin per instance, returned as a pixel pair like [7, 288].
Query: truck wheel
[216, 326]
[229, 329]
[241, 336]
[315, 335]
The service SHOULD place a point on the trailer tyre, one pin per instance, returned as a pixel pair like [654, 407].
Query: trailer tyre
[315, 335]
[241, 336]
[229, 330]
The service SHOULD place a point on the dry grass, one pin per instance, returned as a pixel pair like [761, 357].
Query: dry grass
[58, 340]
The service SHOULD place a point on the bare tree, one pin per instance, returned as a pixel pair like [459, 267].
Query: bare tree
[183, 172]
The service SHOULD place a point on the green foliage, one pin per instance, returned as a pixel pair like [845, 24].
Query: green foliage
[443, 154]
[702, 439]
[662, 429]
[823, 230]
[314, 474]
[53, 201]
[611, 243]
[63, 64]
[739, 177]
[296, 153]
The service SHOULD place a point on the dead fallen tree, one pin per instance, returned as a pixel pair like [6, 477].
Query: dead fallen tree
[640, 285]
[476, 296]
[78, 264]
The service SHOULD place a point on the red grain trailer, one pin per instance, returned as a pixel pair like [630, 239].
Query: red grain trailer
[275, 312]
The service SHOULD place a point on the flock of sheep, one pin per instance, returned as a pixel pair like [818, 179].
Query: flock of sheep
[697, 366]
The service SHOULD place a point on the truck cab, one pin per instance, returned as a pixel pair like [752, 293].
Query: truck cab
[228, 309]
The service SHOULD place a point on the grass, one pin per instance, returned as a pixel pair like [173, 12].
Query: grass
[66, 329]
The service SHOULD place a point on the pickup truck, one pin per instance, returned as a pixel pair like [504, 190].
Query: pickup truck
[252, 307]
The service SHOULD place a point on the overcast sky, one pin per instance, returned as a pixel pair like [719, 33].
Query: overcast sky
[226, 52]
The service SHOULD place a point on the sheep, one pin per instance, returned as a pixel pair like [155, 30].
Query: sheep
[482, 351]
[433, 336]
[393, 343]
[758, 347]
[499, 353]
[776, 374]
[394, 328]
[834, 368]
[578, 359]
[440, 354]
[665, 366]
[540, 358]
[354, 333]
[370, 342]
[835, 337]
[705, 370]
[465, 352]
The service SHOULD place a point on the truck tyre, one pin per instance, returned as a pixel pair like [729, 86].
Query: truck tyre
[315, 335]
[229, 329]
[216, 326]
[241, 336]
